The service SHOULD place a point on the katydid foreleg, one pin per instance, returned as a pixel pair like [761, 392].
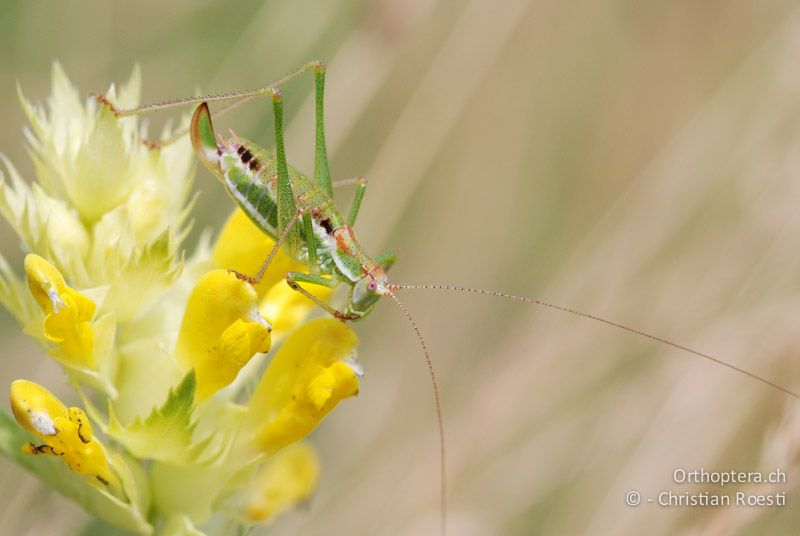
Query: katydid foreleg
[294, 278]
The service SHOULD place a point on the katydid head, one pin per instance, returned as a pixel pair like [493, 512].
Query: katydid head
[367, 290]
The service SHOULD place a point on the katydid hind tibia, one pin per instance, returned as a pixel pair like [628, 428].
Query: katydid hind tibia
[298, 212]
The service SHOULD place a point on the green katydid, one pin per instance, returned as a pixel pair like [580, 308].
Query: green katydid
[299, 213]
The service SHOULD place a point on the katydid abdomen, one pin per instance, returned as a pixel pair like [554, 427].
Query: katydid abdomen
[250, 176]
[327, 243]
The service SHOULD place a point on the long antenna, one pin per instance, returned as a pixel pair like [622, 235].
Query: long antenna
[439, 419]
[534, 301]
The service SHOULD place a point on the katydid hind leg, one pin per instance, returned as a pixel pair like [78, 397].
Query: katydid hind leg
[322, 172]
[285, 201]
[242, 96]
[239, 98]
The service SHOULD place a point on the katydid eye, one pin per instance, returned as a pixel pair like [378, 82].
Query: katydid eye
[372, 285]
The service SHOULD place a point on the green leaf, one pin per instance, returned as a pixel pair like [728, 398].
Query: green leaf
[166, 435]
[57, 475]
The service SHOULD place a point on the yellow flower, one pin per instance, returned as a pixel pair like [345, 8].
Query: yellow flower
[284, 481]
[314, 370]
[66, 433]
[221, 330]
[67, 312]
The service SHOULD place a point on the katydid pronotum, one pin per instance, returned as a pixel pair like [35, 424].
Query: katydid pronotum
[298, 212]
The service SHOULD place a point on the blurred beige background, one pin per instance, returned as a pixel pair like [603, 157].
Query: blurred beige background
[637, 160]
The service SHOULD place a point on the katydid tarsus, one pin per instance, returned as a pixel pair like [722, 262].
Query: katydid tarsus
[298, 212]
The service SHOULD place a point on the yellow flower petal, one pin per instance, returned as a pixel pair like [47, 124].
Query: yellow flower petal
[67, 312]
[243, 247]
[221, 331]
[311, 373]
[286, 480]
[66, 432]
